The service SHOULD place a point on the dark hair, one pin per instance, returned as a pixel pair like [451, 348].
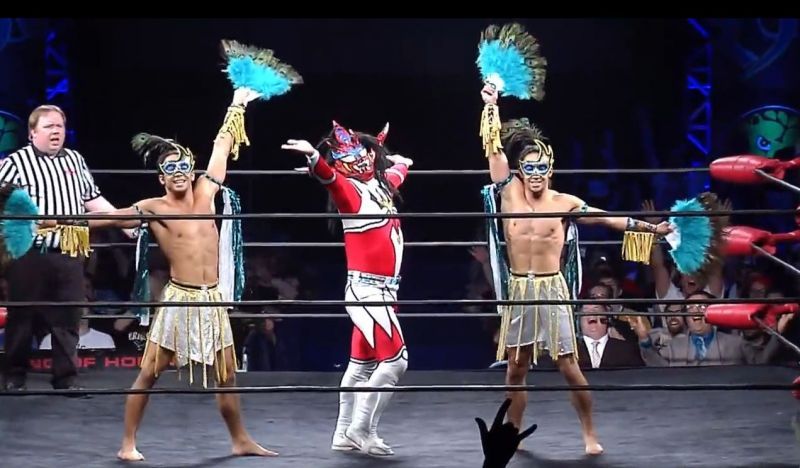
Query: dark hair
[517, 137]
[149, 146]
[381, 164]
[606, 287]
[704, 293]
[605, 270]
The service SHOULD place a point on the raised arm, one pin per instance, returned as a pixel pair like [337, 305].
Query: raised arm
[498, 162]
[343, 192]
[397, 174]
[649, 344]
[216, 171]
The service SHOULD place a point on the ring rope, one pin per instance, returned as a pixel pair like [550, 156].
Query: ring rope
[777, 260]
[448, 214]
[776, 334]
[411, 389]
[680, 170]
[407, 302]
[341, 244]
[246, 315]
[778, 181]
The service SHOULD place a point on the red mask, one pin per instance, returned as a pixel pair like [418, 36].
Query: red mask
[350, 157]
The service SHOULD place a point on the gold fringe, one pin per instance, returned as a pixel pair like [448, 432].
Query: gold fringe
[536, 321]
[215, 323]
[574, 332]
[193, 319]
[636, 246]
[519, 334]
[74, 240]
[234, 125]
[200, 338]
[505, 320]
[490, 129]
[535, 288]
[144, 353]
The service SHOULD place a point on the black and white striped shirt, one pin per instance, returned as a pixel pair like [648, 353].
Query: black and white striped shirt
[58, 185]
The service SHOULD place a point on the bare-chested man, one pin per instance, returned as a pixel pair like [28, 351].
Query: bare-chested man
[534, 251]
[188, 334]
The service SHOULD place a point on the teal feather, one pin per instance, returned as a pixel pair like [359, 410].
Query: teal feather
[701, 238]
[258, 69]
[244, 72]
[695, 232]
[513, 55]
[17, 234]
[509, 64]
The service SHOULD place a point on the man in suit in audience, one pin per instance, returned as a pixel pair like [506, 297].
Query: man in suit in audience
[596, 349]
[704, 344]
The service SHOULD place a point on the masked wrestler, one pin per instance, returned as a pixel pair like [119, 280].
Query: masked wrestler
[535, 248]
[362, 177]
[188, 334]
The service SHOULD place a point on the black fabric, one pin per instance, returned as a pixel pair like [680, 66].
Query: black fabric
[48, 276]
[617, 353]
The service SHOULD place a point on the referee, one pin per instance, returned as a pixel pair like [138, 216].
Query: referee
[59, 183]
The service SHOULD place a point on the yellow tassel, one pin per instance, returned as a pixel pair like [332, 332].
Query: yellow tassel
[505, 321]
[490, 129]
[234, 125]
[74, 239]
[636, 246]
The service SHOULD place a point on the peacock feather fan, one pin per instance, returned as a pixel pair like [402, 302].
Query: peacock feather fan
[16, 235]
[509, 57]
[700, 248]
[258, 69]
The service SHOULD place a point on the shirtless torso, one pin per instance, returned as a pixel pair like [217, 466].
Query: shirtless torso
[191, 246]
[534, 244]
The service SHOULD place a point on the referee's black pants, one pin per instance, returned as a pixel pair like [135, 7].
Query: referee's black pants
[44, 276]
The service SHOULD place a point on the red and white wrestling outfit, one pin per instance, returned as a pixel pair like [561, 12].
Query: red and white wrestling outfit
[374, 250]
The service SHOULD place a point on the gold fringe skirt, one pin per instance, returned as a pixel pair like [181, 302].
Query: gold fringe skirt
[196, 334]
[549, 328]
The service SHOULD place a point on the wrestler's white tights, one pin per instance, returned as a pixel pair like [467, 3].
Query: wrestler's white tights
[370, 406]
[354, 374]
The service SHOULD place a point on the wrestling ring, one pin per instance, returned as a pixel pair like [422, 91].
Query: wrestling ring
[698, 416]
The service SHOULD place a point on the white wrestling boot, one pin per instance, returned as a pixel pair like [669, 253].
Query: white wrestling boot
[355, 437]
[370, 406]
[341, 443]
[355, 375]
[376, 446]
[375, 442]
[369, 442]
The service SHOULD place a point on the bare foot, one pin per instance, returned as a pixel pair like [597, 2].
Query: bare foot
[593, 447]
[130, 454]
[249, 447]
